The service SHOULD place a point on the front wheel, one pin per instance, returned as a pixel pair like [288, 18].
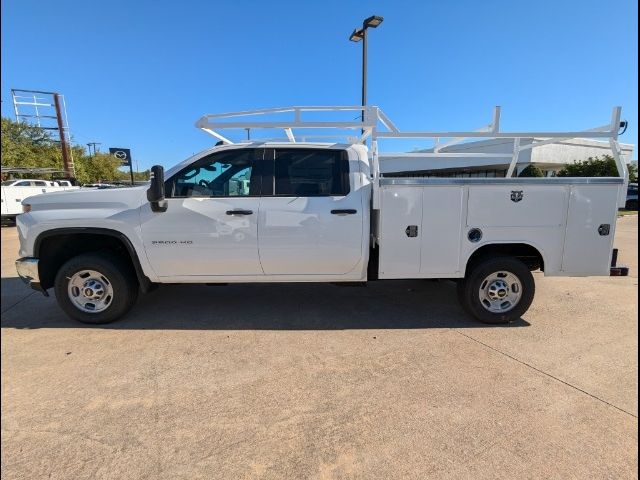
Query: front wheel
[497, 290]
[96, 288]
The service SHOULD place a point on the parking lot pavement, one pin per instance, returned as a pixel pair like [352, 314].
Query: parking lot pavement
[319, 381]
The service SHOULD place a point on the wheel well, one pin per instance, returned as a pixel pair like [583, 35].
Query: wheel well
[527, 254]
[55, 249]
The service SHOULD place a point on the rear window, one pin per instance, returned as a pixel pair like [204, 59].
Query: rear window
[310, 172]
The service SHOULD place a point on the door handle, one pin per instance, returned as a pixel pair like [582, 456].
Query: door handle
[239, 212]
[347, 211]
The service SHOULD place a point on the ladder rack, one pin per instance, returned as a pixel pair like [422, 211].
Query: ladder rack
[375, 125]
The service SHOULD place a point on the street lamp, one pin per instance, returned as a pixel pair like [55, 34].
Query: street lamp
[361, 34]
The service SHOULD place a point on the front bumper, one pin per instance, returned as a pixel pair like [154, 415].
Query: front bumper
[27, 268]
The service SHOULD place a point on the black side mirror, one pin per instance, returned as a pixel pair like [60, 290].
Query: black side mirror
[155, 193]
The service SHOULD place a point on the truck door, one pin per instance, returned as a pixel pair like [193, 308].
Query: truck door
[311, 219]
[210, 226]
[5, 203]
[591, 223]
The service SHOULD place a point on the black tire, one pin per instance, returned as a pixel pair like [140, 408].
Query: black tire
[469, 289]
[631, 205]
[121, 278]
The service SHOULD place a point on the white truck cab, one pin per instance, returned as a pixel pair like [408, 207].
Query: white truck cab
[290, 211]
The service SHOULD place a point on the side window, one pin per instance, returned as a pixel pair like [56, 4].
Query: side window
[305, 172]
[40, 184]
[24, 183]
[225, 174]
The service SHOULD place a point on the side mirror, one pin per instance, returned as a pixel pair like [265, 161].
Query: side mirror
[155, 193]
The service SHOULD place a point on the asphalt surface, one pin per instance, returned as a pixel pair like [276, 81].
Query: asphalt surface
[319, 381]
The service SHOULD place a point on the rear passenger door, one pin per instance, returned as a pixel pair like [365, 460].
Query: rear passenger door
[311, 217]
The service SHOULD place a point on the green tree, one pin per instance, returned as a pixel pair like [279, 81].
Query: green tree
[100, 167]
[125, 176]
[29, 146]
[531, 171]
[592, 167]
[633, 172]
[25, 145]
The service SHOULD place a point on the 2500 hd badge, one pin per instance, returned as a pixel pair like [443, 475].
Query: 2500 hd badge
[171, 242]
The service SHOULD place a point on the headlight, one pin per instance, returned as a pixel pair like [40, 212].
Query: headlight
[26, 208]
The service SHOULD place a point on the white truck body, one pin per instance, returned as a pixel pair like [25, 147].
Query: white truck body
[15, 191]
[560, 218]
[256, 212]
[195, 241]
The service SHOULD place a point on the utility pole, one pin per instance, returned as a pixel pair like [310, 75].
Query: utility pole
[94, 147]
[66, 160]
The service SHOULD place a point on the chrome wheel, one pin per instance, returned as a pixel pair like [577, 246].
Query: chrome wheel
[500, 292]
[90, 291]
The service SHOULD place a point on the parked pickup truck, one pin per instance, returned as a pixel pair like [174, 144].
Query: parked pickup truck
[290, 211]
[14, 191]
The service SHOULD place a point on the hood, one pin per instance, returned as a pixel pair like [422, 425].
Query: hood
[114, 199]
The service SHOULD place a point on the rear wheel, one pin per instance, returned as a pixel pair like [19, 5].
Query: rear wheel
[96, 288]
[497, 290]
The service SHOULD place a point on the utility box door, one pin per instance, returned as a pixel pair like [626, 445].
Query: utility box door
[592, 213]
[400, 231]
[442, 208]
[517, 206]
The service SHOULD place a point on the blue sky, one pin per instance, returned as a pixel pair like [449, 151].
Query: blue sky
[139, 73]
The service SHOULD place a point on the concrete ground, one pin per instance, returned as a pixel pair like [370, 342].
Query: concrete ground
[318, 381]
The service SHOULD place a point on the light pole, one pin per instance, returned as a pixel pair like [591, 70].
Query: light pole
[94, 147]
[361, 34]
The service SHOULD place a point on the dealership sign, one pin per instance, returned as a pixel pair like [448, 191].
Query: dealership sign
[122, 154]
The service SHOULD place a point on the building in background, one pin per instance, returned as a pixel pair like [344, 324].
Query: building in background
[549, 158]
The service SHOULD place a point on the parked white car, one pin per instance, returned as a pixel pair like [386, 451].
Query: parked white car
[14, 191]
[316, 212]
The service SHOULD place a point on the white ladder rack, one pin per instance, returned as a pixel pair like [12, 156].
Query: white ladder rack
[374, 124]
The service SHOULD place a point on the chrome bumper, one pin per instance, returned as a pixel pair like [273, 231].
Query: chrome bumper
[28, 271]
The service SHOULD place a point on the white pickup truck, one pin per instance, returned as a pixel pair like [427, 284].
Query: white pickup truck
[290, 211]
[14, 191]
